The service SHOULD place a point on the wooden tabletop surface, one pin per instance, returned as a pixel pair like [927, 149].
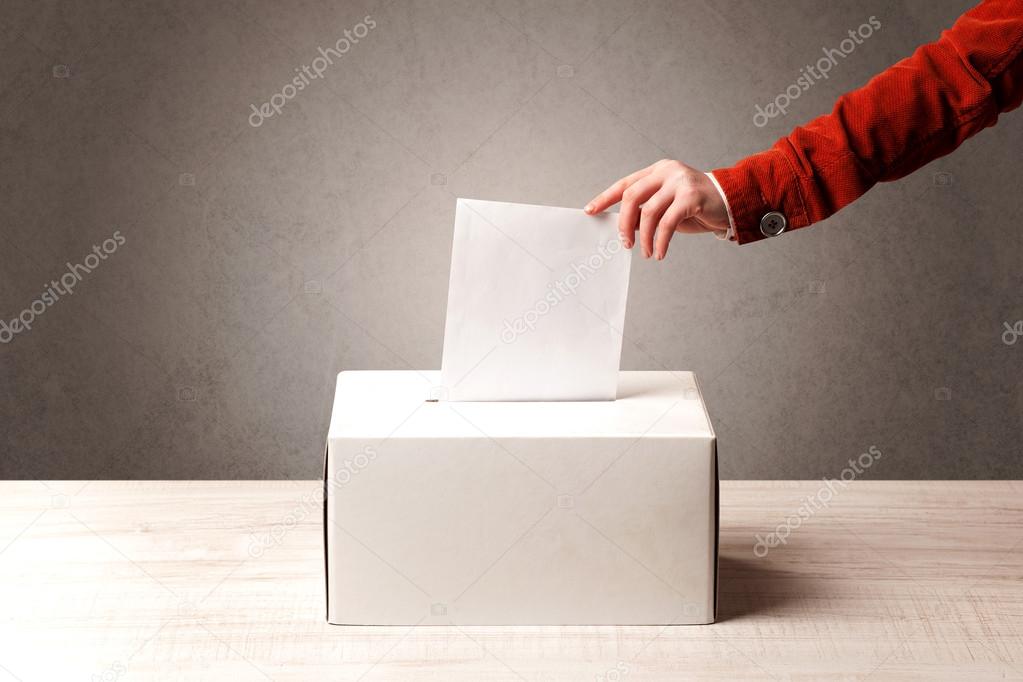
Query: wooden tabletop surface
[224, 581]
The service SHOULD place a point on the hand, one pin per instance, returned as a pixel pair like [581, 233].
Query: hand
[664, 198]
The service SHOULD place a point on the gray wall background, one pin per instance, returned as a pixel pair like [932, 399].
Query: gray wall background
[259, 262]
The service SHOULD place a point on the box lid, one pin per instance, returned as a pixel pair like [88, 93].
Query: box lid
[409, 404]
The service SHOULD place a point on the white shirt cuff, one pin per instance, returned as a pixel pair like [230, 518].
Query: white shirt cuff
[730, 234]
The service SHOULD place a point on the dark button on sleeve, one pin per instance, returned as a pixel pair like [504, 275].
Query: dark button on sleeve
[773, 224]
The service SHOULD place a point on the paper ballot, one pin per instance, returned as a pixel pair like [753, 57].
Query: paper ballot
[536, 304]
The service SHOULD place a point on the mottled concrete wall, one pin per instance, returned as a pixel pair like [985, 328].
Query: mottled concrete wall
[256, 256]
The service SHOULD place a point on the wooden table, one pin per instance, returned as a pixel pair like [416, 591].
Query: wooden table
[224, 581]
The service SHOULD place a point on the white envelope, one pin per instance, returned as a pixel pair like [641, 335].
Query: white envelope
[536, 304]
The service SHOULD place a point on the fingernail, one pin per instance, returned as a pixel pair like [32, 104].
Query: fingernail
[660, 256]
[589, 208]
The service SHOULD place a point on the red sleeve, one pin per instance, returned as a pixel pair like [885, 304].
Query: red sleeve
[910, 114]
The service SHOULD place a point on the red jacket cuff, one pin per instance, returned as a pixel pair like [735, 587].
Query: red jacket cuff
[758, 185]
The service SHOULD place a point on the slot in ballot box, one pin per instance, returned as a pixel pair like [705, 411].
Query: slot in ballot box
[519, 513]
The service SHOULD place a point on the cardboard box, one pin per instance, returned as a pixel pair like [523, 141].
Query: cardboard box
[542, 513]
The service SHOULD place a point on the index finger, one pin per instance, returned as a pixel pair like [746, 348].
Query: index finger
[613, 194]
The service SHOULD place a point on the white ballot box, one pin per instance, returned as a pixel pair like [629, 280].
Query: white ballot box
[519, 513]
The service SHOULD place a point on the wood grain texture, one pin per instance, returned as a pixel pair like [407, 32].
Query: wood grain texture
[224, 580]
